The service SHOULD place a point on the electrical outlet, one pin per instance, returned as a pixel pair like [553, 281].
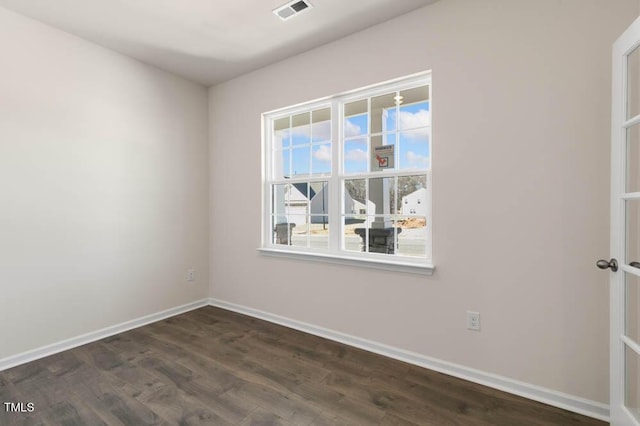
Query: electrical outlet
[191, 274]
[473, 320]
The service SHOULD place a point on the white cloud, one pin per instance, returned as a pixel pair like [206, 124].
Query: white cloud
[323, 153]
[321, 130]
[417, 160]
[409, 120]
[351, 129]
[356, 155]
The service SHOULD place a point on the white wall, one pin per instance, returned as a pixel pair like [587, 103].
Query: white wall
[103, 187]
[521, 113]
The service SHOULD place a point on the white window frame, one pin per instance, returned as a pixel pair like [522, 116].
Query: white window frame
[335, 253]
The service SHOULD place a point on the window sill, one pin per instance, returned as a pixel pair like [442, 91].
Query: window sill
[414, 268]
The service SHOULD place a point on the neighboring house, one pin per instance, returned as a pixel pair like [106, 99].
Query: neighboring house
[297, 205]
[415, 203]
[357, 207]
[320, 206]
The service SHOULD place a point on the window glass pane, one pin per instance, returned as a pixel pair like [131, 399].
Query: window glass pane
[391, 120]
[321, 160]
[632, 300]
[297, 193]
[281, 132]
[355, 126]
[297, 210]
[414, 116]
[382, 156]
[355, 194]
[281, 231]
[633, 158]
[282, 164]
[321, 125]
[351, 241]
[301, 129]
[412, 235]
[414, 149]
[319, 232]
[412, 195]
[301, 160]
[299, 232]
[632, 232]
[382, 234]
[356, 108]
[414, 95]
[382, 197]
[414, 108]
[633, 83]
[281, 139]
[319, 195]
[356, 118]
[355, 156]
[281, 124]
[380, 107]
[278, 200]
[390, 139]
[632, 382]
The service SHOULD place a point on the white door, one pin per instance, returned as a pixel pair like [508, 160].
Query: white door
[625, 230]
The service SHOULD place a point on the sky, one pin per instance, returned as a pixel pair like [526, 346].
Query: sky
[311, 150]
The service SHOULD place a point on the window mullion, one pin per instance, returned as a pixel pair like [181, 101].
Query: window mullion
[267, 174]
[335, 186]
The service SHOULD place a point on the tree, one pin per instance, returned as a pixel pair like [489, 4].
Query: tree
[357, 189]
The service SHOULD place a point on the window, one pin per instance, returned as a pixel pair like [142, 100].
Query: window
[349, 177]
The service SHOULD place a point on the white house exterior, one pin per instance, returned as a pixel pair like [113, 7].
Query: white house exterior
[415, 203]
[297, 206]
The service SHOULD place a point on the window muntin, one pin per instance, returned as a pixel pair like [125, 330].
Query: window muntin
[366, 157]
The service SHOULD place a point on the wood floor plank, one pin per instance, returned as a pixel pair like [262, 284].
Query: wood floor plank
[328, 419]
[210, 366]
[225, 405]
[9, 393]
[250, 367]
[290, 407]
[263, 417]
[113, 405]
[393, 420]
[73, 411]
[257, 348]
[177, 407]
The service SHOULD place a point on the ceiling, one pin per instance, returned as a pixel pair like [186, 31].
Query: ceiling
[209, 41]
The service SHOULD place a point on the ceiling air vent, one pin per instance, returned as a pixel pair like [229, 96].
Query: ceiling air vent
[292, 8]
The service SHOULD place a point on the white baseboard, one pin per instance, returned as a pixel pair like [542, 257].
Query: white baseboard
[73, 342]
[537, 393]
[548, 396]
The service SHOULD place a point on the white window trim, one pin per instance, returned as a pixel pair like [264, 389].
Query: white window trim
[347, 259]
[334, 254]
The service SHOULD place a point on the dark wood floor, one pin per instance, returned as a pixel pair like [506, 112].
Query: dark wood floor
[212, 366]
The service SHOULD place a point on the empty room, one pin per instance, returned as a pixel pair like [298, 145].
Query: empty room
[320, 212]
